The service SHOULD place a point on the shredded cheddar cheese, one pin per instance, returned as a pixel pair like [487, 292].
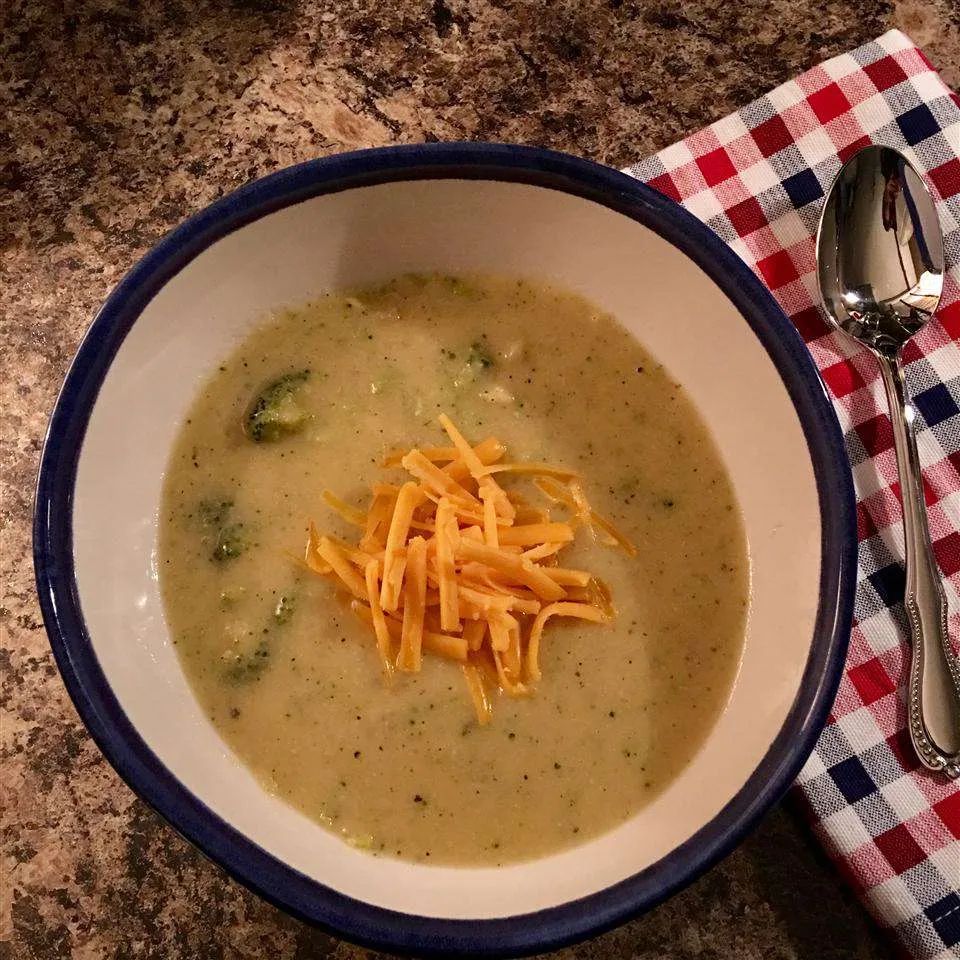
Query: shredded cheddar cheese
[450, 563]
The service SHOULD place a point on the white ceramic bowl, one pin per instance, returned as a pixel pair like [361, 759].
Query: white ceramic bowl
[355, 219]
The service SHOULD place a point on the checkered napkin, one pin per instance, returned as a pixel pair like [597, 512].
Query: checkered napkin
[757, 178]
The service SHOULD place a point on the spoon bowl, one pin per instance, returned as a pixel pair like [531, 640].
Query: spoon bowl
[880, 251]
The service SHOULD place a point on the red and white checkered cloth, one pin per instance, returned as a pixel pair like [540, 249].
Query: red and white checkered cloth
[757, 178]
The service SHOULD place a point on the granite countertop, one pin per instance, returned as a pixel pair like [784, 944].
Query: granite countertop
[118, 120]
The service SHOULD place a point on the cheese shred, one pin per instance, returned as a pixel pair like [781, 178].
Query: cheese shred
[452, 564]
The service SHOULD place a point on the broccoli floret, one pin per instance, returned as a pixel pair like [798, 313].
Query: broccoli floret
[249, 666]
[213, 512]
[276, 411]
[231, 542]
[244, 667]
[284, 609]
[480, 356]
[229, 539]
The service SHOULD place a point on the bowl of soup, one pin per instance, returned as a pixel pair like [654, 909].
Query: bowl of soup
[454, 542]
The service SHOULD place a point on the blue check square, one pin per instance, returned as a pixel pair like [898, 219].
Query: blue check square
[889, 582]
[945, 917]
[852, 779]
[918, 124]
[803, 188]
[936, 404]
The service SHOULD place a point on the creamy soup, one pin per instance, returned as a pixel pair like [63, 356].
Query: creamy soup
[289, 675]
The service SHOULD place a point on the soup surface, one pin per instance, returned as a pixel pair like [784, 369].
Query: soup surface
[289, 675]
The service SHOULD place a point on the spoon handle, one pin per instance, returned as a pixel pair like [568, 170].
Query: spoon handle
[934, 686]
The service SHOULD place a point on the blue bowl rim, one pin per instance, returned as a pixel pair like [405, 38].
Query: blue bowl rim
[242, 858]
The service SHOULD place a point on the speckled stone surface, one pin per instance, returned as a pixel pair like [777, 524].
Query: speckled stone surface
[116, 121]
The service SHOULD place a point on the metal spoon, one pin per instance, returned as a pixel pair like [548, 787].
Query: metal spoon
[880, 260]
